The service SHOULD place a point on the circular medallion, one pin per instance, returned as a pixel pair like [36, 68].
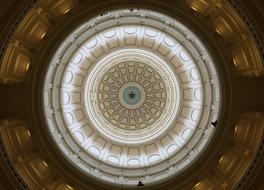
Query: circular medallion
[131, 95]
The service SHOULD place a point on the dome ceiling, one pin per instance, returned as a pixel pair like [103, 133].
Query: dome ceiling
[130, 96]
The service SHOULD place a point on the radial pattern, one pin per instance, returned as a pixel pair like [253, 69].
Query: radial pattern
[130, 96]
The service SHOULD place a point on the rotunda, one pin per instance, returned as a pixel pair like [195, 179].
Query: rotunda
[126, 94]
[143, 90]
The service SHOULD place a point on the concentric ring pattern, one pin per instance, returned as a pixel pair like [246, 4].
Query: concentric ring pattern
[136, 99]
[150, 77]
[130, 96]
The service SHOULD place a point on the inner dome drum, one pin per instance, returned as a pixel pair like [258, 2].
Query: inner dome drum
[130, 95]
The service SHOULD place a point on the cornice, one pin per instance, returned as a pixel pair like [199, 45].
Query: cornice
[10, 19]
[9, 177]
[252, 14]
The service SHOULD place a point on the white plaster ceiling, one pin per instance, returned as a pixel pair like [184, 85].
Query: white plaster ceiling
[78, 119]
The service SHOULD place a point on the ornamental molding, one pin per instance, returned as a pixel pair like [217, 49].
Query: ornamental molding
[80, 126]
